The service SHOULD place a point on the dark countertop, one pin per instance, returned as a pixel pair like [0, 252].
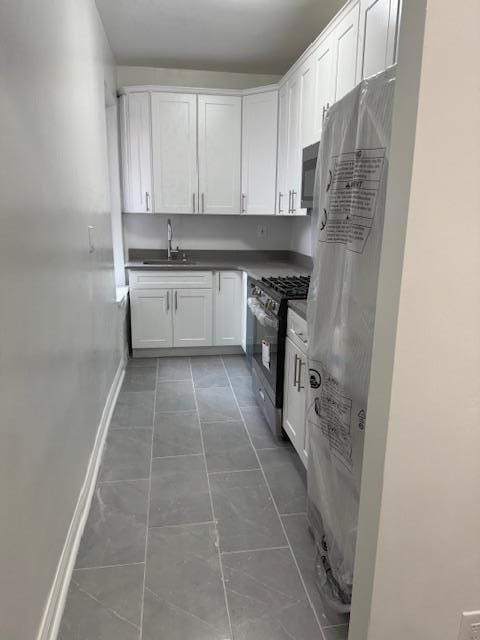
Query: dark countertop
[299, 306]
[256, 264]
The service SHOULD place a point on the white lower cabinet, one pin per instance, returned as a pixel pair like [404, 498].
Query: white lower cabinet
[228, 308]
[295, 386]
[186, 309]
[151, 318]
[192, 318]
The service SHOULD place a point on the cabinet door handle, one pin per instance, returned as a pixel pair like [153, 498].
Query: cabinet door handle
[280, 196]
[147, 198]
[294, 195]
[203, 203]
[323, 113]
[219, 281]
[299, 381]
[193, 203]
[176, 300]
[167, 302]
[290, 201]
[295, 371]
[243, 202]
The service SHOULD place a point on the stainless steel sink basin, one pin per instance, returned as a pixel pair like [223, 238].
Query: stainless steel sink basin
[169, 263]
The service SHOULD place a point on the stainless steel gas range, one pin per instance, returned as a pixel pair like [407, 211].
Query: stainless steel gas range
[266, 331]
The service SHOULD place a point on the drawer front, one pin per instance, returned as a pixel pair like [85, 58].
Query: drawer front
[297, 330]
[170, 279]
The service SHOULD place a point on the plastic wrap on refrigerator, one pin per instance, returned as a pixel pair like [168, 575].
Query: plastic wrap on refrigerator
[349, 207]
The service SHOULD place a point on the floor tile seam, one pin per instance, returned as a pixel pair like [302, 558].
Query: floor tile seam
[135, 426]
[121, 480]
[309, 600]
[149, 494]
[184, 524]
[253, 550]
[219, 473]
[108, 566]
[222, 574]
[211, 386]
[180, 455]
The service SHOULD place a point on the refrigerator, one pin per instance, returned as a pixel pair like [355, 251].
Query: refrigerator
[348, 213]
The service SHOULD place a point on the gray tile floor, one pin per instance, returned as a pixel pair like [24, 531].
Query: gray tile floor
[197, 529]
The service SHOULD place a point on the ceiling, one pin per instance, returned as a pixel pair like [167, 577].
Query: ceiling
[251, 36]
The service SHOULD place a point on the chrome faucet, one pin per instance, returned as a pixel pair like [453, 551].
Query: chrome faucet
[169, 239]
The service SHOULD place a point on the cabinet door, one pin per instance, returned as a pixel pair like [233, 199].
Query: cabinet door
[345, 37]
[136, 153]
[324, 84]
[376, 43]
[151, 318]
[282, 187]
[307, 120]
[174, 151]
[219, 147]
[294, 397]
[192, 318]
[259, 153]
[228, 308]
[294, 153]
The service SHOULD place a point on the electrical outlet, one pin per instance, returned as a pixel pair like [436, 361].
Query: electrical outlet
[261, 231]
[470, 626]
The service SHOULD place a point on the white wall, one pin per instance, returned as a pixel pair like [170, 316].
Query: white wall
[302, 234]
[418, 550]
[128, 76]
[143, 231]
[58, 352]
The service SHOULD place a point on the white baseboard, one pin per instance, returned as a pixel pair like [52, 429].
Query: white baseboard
[52, 615]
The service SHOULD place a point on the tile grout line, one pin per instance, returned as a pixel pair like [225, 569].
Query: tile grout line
[276, 508]
[148, 503]
[180, 455]
[216, 473]
[212, 508]
[109, 566]
[184, 524]
[232, 553]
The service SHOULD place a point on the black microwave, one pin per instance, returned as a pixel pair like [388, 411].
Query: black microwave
[309, 168]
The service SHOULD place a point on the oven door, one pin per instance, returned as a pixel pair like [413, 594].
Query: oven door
[264, 344]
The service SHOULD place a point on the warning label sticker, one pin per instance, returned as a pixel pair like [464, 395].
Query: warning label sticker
[352, 189]
[332, 413]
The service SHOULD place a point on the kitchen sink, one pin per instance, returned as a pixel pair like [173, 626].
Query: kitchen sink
[169, 263]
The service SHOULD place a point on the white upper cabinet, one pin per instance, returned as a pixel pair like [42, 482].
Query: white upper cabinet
[282, 188]
[219, 149]
[345, 42]
[136, 153]
[324, 61]
[307, 79]
[228, 308]
[174, 151]
[192, 318]
[204, 152]
[290, 146]
[377, 36]
[259, 153]
[294, 153]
